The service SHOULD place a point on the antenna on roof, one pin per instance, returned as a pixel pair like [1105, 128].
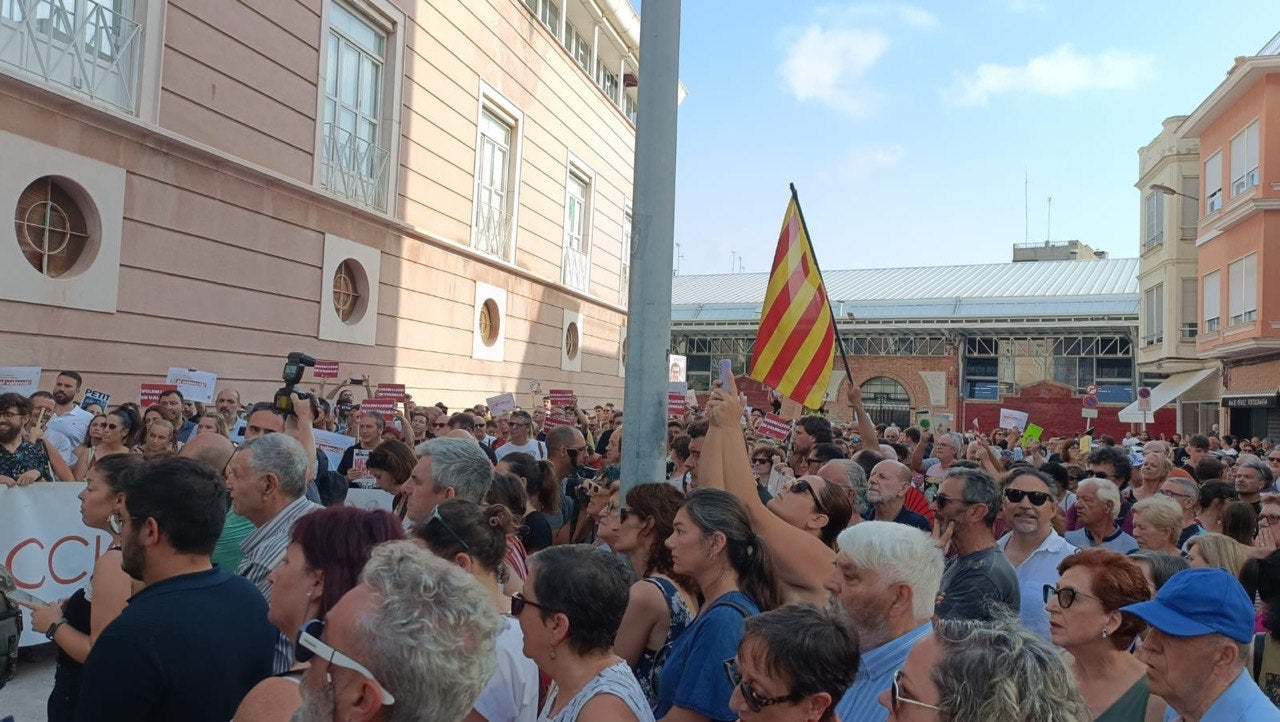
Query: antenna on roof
[676, 271]
[1048, 223]
[1026, 206]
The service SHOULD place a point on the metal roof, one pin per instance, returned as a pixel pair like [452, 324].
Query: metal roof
[1098, 287]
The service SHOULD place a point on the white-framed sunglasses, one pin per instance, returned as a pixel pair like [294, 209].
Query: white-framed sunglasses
[310, 645]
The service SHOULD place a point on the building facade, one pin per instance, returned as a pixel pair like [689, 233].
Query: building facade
[1169, 186]
[432, 193]
[953, 343]
[1238, 242]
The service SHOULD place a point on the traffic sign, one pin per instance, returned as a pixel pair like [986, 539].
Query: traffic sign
[1144, 399]
[1091, 390]
[1089, 413]
[1090, 402]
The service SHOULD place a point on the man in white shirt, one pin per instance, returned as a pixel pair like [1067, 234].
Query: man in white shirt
[1033, 547]
[520, 439]
[69, 419]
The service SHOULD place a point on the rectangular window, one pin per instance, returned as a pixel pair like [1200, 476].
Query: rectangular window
[1242, 289]
[607, 80]
[1188, 318]
[1190, 212]
[1153, 315]
[497, 162]
[1244, 159]
[1213, 183]
[355, 160]
[1212, 303]
[1153, 221]
[576, 269]
[578, 47]
[624, 283]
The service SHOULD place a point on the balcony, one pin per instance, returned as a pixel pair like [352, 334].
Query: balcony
[492, 233]
[1187, 333]
[1152, 339]
[93, 52]
[353, 168]
[1153, 242]
[576, 271]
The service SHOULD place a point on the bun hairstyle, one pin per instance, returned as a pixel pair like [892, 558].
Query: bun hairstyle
[484, 530]
[716, 510]
[540, 477]
[130, 424]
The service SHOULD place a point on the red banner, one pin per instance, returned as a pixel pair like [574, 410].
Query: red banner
[561, 397]
[774, 427]
[675, 403]
[556, 421]
[150, 393]
[325, 370]
[395, 392]
[384, 406]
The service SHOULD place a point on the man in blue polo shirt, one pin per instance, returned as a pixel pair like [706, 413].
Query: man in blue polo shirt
[196, 639]
[1196, 649]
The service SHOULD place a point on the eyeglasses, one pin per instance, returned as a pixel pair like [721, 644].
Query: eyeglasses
[435, 516]
[573, 453]
[813, 460]
[519, 602]
[626, 511]
[942, 500]
[11, 415]
[1066, 595]
[1273, 458]
[1269, 518]
[117, 523]
[309, 646]
[896, 698]
[1038, 498]
[439, 424]
[802, 486]
[749, 695]
[761, 460]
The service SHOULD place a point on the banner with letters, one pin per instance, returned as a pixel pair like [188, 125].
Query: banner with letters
[45, 545]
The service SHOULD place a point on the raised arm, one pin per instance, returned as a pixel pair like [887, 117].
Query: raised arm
[866, 427]
[916, 460]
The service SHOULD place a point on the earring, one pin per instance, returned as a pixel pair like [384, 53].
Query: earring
[553, 652]
[1105, 633]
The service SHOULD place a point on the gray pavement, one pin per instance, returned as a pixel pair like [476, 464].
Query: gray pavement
[25, 695]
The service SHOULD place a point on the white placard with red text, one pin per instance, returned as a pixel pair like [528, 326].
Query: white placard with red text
[23, 380]
[501, 404]
[194, 385]
[45, 545]
[150, 393]
[333, 445]
[385, 406]
[325, 369]
[561, 397]
[1012, 419]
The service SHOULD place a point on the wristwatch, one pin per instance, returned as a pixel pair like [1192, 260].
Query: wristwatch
[53, 628]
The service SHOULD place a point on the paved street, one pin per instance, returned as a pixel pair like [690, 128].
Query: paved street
[25, 696]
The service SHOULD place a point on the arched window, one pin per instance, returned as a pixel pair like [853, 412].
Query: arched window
[886, 401]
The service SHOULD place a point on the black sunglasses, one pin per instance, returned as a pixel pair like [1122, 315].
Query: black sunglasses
[626, 511]
[761, 460]
[1038, 498]
[942, 500]
[518, 603]
[749, 695]
[803, 486]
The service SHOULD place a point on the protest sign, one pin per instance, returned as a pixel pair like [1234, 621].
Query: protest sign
[325, 370]
[23, 380]
[150, 393]
[774, 427]
[395, 392]
[384, 406]
[501, 404]
[194, 385]
[677, 366]
[369, 499]
[556, 421]
[675, 403]
[1031, 434]
[332, 444]
[561, 397]
[92, 397]
[1011, 419]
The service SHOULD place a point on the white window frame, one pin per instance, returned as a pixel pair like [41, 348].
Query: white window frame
[496, 104]
[385, 16]
[1213, 183]
[1153, 220]
[1244, 159]
[1211, 302]
[1153, 315]
[1242, 290]
[1187, 320]
[576, 167]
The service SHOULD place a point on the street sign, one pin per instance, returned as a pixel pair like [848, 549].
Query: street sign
[1089, 413]
[1091, 390]
[1090, 402]
[1144, 399]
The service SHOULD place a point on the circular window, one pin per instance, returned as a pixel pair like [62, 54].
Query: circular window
[350, 291]
[571, 341]
[53, 222]
[490, 322]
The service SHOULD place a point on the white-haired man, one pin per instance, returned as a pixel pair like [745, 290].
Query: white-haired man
[886, 578]
[1097, 501]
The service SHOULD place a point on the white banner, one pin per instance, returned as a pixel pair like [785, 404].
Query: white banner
[369, 499]
[43, 543]
[194, 385]
[333, 445]
[23, 380]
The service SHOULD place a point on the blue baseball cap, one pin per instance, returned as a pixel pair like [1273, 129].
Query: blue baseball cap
[1196, 602]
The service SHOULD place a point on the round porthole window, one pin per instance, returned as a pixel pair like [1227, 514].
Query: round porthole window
[571, 341]
[56, 227]
[490, 322]
[350, 291]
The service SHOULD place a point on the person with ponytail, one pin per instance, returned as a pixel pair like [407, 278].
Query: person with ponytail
[713, 543]
[475, 538]
[663, 603]
[546, 510]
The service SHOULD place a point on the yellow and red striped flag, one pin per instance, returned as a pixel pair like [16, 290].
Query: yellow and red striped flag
[796, 342]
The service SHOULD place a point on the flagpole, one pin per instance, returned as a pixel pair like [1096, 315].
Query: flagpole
[809, 240]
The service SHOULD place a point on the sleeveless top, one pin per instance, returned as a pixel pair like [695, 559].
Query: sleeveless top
[1131, 706]
[649, 667]
[616, 680]
[1266, 666]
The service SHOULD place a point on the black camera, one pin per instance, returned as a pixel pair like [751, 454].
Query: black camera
[292, 375]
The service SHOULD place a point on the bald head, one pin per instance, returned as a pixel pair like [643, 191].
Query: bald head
[888, 482]
[212, 449]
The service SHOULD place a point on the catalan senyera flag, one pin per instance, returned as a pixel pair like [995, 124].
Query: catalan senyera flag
[796, 342]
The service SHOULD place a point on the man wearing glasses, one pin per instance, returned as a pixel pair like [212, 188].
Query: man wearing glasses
[21, 462]
[196, 639]
[1032, 546]
[979, 578]
[520, 437]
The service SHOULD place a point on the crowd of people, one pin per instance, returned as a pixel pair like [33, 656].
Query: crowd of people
[850, 572]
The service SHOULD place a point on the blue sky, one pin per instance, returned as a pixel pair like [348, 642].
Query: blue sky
[907, 127]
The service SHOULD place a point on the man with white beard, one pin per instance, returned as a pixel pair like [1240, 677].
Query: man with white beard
[1033, 547]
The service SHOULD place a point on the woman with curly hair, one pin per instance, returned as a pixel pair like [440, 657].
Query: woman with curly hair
[662, 603]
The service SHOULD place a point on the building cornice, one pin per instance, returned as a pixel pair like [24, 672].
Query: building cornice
[1237, 82]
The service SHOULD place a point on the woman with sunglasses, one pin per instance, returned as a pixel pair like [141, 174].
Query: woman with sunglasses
[569, 613]
[1085, 619]
[74, 624]
[327, 550]
[970, 671]
[663, 603]
[800, 525]
[115, 430]
[793, 664]
[475, 539]
[762, 456]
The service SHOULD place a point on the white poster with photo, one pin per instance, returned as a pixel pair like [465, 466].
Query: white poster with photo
[194, 385]
[332, 444]
[23, 380]
[676, 366]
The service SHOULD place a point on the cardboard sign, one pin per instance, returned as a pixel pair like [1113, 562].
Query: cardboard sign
[150, 393]
[561, 397]
[556, 421]
[675, 403]
[395, 392]
[1011, 419]
[384, 406]
[325, 370]
[194, 385]
[1031, 434]
[92, 397]
[23, 380]
[774, 427]
[332, 444]
[501, 404]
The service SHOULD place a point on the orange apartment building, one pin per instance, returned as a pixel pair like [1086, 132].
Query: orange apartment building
[435, 193]
[1238, 241]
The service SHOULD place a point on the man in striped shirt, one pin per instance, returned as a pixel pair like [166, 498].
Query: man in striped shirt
[886, 577]
[267, 480]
